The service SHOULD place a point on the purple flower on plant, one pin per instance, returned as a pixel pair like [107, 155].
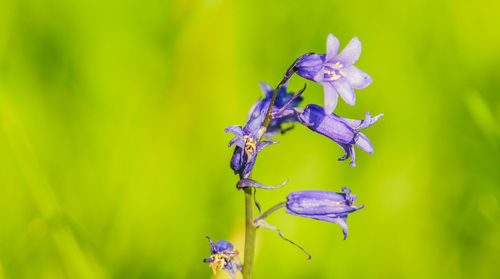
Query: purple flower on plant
[247, 138]
[223, 256]
[247, 148]
[323, 205]
[344, 131]
[336, 73]
[282, 99]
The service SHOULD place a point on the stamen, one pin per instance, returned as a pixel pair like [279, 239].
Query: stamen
[221, 260]
[337, 66]
[334, 77]
[335, 72]
[250, 145]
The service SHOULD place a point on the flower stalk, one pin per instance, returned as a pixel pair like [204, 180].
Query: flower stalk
[270, 211]
[249, 235]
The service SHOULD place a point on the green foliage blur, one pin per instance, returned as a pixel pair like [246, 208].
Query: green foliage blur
[114, 163]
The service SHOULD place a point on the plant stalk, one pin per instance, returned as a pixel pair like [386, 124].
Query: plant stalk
[249, 235]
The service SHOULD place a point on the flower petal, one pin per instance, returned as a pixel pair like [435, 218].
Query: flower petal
[364, 143]
[265, 144]
[332, 47]
[353, 156]
[213, 249]
[331, 98]
[347, 150]
[357, 78]
[319, 76]
[369, 120]
[351, 53]
[235, 129]
[238, 141]
[223, 245]
[345, 90]
[266, 89]
[237, 161]
[361, 124]
[342, 222]
[350, 198]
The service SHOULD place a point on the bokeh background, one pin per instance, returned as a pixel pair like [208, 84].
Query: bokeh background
[114, 163]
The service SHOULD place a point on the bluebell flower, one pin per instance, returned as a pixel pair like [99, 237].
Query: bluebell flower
[247, 148]
[345, 132]
[247, 138]
[282, 98]
[323, 205]
[336, 73]
[223, 256]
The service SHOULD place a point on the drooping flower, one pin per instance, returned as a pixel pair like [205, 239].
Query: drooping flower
[336, 73]
[344, 131]
[247, 148]
[223, 256]
[323, 205]
[247, 138]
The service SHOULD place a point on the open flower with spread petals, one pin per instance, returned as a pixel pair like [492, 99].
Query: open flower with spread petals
[323, 205]
[247, 138]
[223, 256]
[336, 73]
[344, 131]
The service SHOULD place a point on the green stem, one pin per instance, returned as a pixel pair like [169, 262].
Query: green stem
[270, 211]
[249, 235]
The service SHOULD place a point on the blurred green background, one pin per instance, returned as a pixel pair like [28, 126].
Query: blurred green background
[114, 163]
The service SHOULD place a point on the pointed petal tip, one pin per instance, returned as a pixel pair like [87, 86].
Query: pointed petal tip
[331, 98]
[345, 90]
[332, 47]
[364, 143]
[266, 88]
[350, 54]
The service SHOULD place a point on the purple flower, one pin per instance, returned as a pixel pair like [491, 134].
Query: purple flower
[323, 205]
[336, 73]
[258, 111]
[223, 256]
[341, 130]
[247, 138]
[247, 148]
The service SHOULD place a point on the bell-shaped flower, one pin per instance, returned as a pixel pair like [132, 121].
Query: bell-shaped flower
[336, 73]
[344, 131]
[223, 256]
[323, 205]
[247, 147]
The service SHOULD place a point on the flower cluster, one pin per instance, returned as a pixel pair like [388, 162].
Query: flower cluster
[268, 117]
[223, 256]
